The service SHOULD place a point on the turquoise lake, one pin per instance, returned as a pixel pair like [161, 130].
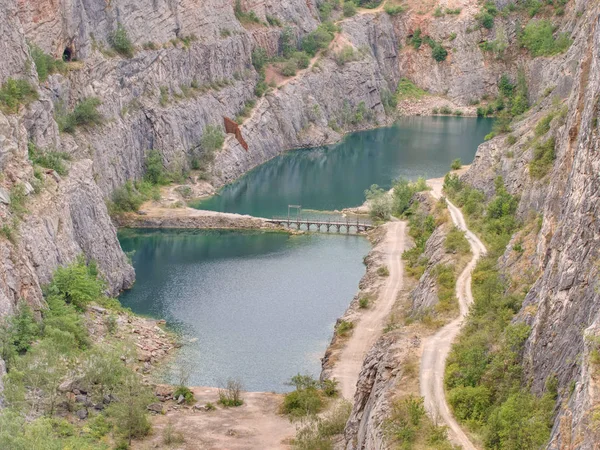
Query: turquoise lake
[261, 307]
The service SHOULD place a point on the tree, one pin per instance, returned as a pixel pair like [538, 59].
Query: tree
[129, 411]
[380, 203]
[76, 284]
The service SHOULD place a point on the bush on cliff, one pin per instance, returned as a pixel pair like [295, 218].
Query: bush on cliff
[14, 93]
[538, 38]
[120, 42]
[85, 113]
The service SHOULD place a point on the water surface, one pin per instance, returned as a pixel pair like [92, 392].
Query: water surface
[335, 177]
[261, 306]
[257, 306]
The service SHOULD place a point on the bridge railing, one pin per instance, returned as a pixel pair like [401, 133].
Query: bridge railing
[342, 221]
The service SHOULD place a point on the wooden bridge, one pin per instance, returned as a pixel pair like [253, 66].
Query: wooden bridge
[321, 225]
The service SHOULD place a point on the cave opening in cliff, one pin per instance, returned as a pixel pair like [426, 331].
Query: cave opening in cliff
[67, 54]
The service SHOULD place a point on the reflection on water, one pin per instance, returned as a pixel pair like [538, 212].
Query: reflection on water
[335, 177]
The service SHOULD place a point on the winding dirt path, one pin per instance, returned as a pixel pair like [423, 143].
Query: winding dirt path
[370, 326]
[437, 347]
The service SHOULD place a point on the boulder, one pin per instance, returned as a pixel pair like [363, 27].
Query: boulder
[156, 408]
[82, 414]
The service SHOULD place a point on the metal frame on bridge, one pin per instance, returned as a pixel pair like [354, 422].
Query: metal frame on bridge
[358, 225]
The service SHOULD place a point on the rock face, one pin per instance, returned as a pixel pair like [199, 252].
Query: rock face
[191, 68]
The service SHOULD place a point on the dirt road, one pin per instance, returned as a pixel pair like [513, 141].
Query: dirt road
[370, 326]
[437, 347]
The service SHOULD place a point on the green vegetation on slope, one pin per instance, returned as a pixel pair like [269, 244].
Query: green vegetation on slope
[495, 222]
[43, 355]
[45, 64]
[14, 93]
[85, 114]
[484, 377]
[538, 38]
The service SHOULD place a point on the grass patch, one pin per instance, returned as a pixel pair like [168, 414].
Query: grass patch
[407, 90]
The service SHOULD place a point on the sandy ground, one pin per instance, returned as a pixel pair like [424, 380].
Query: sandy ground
[373, 320]
[256, 425]
[437, 347]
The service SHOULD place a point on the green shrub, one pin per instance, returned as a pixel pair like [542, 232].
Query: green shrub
[445, 110]
[302, 59]
[16, 92]
[120, 42]
[456, 164]
[349, 8]
[470, 403]
[345, 55]
[126, 198]
[456, 241]
[543, 126]
[45, 64]
[383, 271]
[439, 53]
[538, 38]
[446, 284]
[212, 138]
[49, 159]
[129, 412]
[85, 113]
[329, 387]
[290, 68]
[273, 21]
[380, 203]
[543, 159]
[305, 400]
[17, 333]
[18, 198]
[363, 302]
[187, 394]
[259, 58]
[416, 39]
[318, 39]
[486, 20]
[231, 395]
[155, 169]
[243, 16]
[77, 284]
[394, 10]
[389, 101]
[344, 328]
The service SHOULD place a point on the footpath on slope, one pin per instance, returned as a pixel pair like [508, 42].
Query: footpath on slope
[437, 347]
[372, 321]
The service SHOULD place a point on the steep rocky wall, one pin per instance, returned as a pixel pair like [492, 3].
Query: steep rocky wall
[563, 305]
[300, 113]
[64, 217]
